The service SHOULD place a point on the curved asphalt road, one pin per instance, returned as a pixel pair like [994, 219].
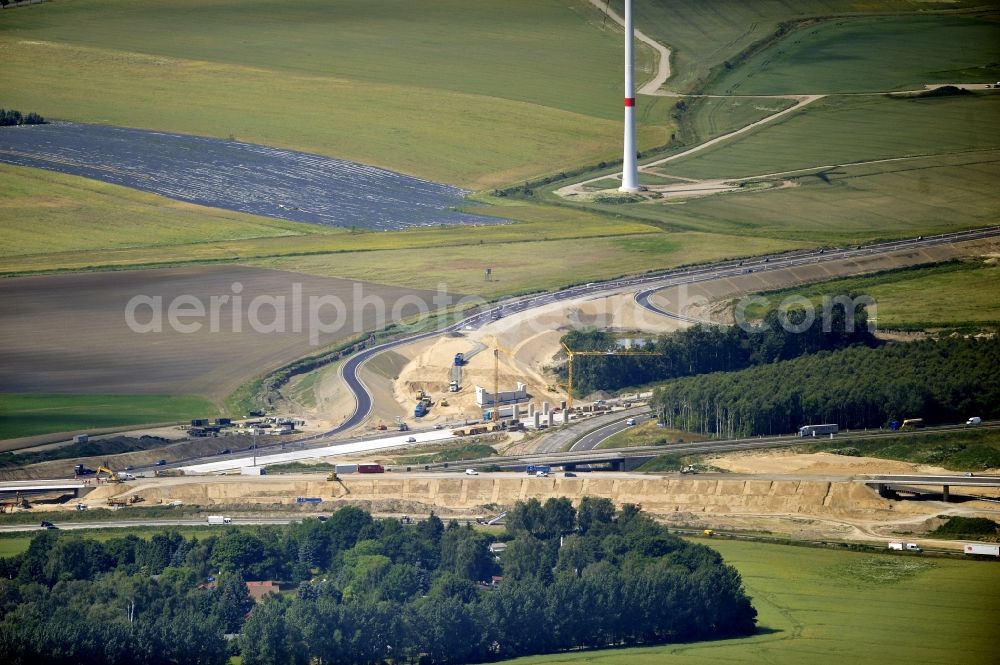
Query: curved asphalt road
[653, 282]
[591, 440]
[649, 284]
[790, 260]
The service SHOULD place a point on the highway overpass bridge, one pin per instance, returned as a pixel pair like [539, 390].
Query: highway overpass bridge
[885, 484]
[23, 488]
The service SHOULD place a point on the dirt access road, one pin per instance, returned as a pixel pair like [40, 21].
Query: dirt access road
[687, 187]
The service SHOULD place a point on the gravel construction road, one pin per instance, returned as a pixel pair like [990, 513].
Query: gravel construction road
[249, 178]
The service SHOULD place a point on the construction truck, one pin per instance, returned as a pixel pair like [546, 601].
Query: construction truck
[121, 502]
[420, 410]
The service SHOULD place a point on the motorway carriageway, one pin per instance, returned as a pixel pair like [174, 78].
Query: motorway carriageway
[402, 440]
[363, 398]
[654, 282]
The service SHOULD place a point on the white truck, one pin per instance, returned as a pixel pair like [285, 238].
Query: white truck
[983, 549]
[219, 519]
[905, 547]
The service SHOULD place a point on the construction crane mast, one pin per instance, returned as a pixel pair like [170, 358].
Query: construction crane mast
[610, 352]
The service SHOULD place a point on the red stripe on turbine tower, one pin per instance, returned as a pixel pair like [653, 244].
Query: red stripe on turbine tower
[630, 101]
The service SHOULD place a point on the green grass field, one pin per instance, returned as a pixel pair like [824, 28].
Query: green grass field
[202, 240]
[475, 95]
[927, 166]
[26, 415]
[841, 130]
[520, 267]
[963, 450]
[44, 212]
[833, 607]
[708, 117]
[872, 55]
[953, 295]
[703, 37]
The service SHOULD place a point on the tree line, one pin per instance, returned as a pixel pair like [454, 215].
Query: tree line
[9, 118]
[939, 380]
[369, 591]
[704, 349]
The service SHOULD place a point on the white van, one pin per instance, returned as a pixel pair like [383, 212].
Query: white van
[974, 420]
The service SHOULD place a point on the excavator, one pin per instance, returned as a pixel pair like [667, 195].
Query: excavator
[112, 476]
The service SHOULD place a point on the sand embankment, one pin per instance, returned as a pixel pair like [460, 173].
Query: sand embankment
[659, 495]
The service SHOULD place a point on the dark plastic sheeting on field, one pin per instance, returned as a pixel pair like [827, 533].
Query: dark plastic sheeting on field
[238, 176]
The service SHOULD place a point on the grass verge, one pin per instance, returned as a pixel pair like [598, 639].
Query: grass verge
[963, 450]
[952, 295]
[648, 434]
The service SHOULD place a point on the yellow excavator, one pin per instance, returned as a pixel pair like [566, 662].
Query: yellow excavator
[112, 476]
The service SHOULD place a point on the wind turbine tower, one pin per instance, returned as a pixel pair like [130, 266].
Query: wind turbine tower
[630, 168]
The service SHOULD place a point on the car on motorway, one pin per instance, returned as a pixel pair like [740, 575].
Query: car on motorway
[630, 422]
[974, 420]
[161, 462]
[48, 525]
[541, 474]
[411, 439]
[569, 474]
[439, 426]
[471, 472]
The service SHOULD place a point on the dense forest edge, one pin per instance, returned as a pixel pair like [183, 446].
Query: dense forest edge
[703, 349]
[808, 365]
[355, 589]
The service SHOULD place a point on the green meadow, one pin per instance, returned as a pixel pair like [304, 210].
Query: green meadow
[44, 212]
[844, 170]
[954, 295]
[704, 36]
[473, 94]
[522, 267]
[26, 415]
[841, 130]
[824, 606]
[872, 55]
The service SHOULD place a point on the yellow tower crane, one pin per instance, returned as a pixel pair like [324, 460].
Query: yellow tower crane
[571, 354]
